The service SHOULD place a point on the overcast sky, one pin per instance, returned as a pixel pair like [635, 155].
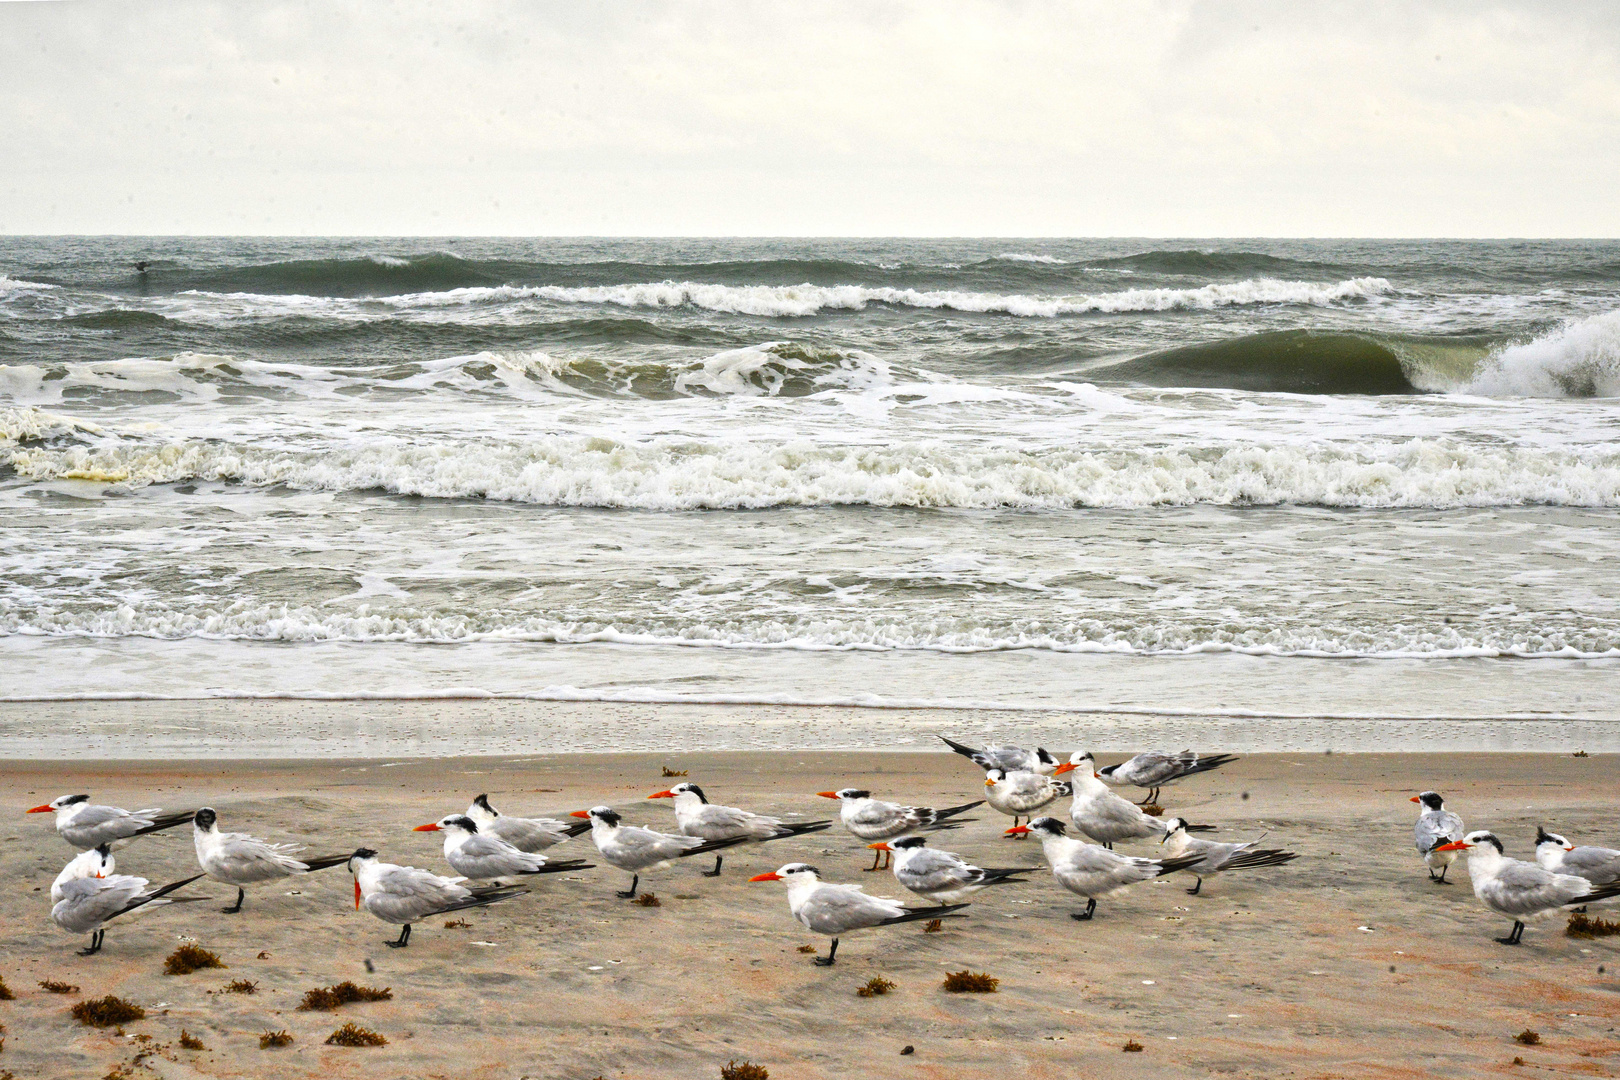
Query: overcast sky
[944, 117]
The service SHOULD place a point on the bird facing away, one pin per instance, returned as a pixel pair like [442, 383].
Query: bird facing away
[1436, 826]
[835, 910]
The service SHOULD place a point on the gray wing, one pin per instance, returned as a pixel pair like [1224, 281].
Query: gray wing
[724, 822]
[242, 859]
[484, 856]
[1111, 810]
[1156, 766]
[836, 909]
[1523, 889]
[935, 871]
[528, 834]
[1598, 865]
[405, 894]
[634, 847]
[88, 902]
[1436, 828]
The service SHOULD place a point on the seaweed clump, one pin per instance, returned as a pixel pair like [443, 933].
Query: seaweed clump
[188, 1041]
[875, 987]
[272, 1039]
[189, 958]
[327, 998]
[743, 1070]
[54, 987]
[970, 982]
[648, 899]
[107, 1012]
[5, 991]
[1132, 1047]
[352, 1034]
[1528, 1038]
[671, 772]
[1585, 926]
[240, 986]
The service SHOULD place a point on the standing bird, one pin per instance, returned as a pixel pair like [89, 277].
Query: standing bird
[835, 910]
[98, 862]
[1436, 826]
[480, 857]
[525, 834]
[696, 816]
[88, 904]
[941, 876]
[1157, 769]
[86, 826]
[1007, 758]
[1520, 890]
[1020, 793]
[239, 859]
[1091, 871]
[634, 849]
[1216, 857]
[872, 819]
[1104, 816]
[1599, 865]
[403, 895]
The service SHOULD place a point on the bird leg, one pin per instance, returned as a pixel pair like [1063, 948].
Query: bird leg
[404, 938]
[1441, 880]
[877, 857]
[1091, 906]
[630, 893]
[1194, 890]
[716, 871]
[95, 943]
[828, 961]
[241, 894]
[1513, 935]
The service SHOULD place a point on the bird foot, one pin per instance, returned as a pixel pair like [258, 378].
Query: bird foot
[396, 944]
[1080, 916]
[711, 873]
[230, 910]
[1506, 941]
[824, 961]
[88, 952]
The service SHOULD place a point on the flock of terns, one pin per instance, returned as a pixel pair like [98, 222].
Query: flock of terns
[489, 851]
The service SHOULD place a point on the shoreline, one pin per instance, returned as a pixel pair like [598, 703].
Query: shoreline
[1344, 962]
[317, 729]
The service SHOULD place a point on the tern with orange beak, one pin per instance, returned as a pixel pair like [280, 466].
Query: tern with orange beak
[1091, 871]
[835, 910]
[696, 816]
[525, 834]
[1435, 827]
[1020, 793]
[634, 849]
[1599, 865]
[479, 857]
[872, 819]
[403, 895]
[86, 825]
[1155, 769]
[941, 876]
[1104, 816]
[1521, 891]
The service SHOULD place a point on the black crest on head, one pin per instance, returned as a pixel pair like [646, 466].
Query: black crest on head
[1543, 836]
[694, 789]
[364, 853]
[104, 850]
[483, 800]
[465, 822]
[204, 818]
[75, 799]
[609, 816]
[1490, 838]
[909, 842]
[1043, 757]
[856, 793]
[811, 869]
[1109, 771]
[1431, 800]
[1048, 825]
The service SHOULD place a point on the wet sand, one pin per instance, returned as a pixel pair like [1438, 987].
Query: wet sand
[1345, 963]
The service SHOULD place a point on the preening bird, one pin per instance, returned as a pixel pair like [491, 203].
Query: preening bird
[97, 862]
[88, 904]
[835, 910]
[696, 816]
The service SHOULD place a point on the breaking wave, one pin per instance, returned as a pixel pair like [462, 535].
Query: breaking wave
[1579, 359]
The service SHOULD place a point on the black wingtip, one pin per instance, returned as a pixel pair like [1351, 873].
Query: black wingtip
[561, 867]
[951, 811]
[326, 862]
[576, 828]
[965, 751]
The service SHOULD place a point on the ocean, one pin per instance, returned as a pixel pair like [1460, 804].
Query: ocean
[1255, 478]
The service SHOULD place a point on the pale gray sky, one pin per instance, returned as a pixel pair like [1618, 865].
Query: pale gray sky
[944, 117]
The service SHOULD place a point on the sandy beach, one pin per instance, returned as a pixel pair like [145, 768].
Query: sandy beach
[1346, 963]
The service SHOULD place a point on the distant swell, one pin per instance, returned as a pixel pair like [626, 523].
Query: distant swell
[692, 475]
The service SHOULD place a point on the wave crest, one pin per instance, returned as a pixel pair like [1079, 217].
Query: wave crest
[1579, 359]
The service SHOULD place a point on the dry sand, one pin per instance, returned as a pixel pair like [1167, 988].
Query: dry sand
[1346, 963]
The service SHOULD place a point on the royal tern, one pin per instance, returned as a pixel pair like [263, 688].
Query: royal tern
[525, 834]
[1435, 827]
[403, 895]
[1007, 758]
[941, 876]
[696, 816]
[835, 910]
[239, 859]
[1157, 769]
[1519, 890]
[1599, 865]
[87, 904]
[633, 849]
[97, 862]
[1020, 793]
[1091, 871]
[872, 819]
[85, 826]
[1216, 857]
[480, 857]
[1104, 816]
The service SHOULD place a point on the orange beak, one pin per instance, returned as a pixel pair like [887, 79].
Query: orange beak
[823, 794]
[766, 877]
[880, 846]
[39, 810]
[1414, 799]
[1455, 845]
[357, 894]
[662, 795]
[1063, 768]
[989, 782]
[1016, 830]
[427, 828]
[580, 813]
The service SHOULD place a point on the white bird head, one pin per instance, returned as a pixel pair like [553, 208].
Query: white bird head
[846, 793]
[1431, 800]
[793, 873]
[1080, 759]
[1545, 837]
[61, 802]
[992, 777]
[1173, 826]
[1482, 838]
[1041, 826]
[481, 805]
[604, 815]
[678, 790]
[453, 823]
